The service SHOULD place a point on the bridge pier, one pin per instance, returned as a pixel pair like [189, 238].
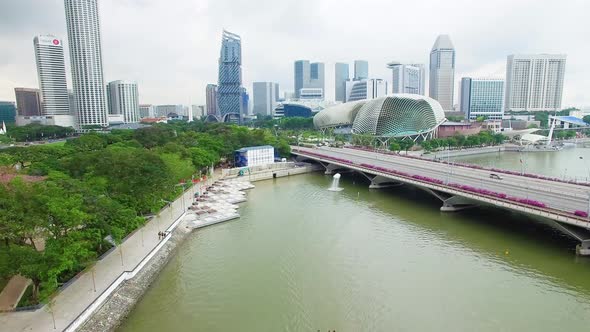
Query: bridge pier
[451, 203]
[330, 168]
[580, 234]
[380, 182]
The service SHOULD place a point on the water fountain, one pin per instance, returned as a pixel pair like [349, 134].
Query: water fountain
[335, 182]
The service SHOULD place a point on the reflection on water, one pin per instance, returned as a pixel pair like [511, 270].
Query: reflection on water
[303, 259]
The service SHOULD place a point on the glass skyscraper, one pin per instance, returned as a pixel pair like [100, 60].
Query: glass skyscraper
[482, 97]
[442, 72]
[229, 89]
[361, 70]
[308, 75]
[341, 76]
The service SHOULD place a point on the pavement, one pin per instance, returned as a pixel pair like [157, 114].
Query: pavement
[81, 292]
[12, 292]
[565, 197]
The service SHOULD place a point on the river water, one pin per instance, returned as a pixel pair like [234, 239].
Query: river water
[302, 258]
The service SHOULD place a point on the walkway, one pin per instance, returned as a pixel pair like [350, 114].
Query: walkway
[74, 298]
[12, 292]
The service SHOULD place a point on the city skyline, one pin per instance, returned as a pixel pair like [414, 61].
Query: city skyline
[123, 43]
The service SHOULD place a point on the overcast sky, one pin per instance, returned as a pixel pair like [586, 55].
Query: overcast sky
[171, 47]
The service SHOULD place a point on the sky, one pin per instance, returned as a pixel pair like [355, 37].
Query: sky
[171, 47]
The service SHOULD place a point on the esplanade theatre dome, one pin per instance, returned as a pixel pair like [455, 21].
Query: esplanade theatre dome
[396, 115]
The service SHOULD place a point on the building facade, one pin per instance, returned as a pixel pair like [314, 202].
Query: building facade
[365, 89]
[341, 75]
[534, 82]
[442, 72]
[146, 111]
[124, 100]
[245, 101]
[482, 97]
[311, 93]
[28, 101]
[211, 99]
[407, 78]
[361, 70]
[7, 112]
[264, 95]
[51, 71]
[229, 89]
[308, 75]
[168, 110]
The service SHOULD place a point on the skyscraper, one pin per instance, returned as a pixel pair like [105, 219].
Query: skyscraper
[482, 97]
[534, 82]
[442, 71]
[124, 100]
[365, 89]
[341, 75]
[211, 99]
[308, 75]
[264, 95]
[86, 60]
[7, 112]
[277, 95]
[407, 78]
[245, 101]
[51, 71]
[28, 101]
[361, 70]
[229, 92]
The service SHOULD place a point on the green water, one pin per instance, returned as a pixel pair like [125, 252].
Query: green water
[302, 258]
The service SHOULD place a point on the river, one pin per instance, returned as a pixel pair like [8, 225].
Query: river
[302, 258]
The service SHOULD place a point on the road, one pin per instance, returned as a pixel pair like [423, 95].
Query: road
[560, 196]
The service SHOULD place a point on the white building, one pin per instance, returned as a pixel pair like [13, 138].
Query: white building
[265, 97]
[198, 111]
[407, 78]
[147, 111]
[165, 110]
[311, 93]
[123, 100]
[442, 72]
[534, 82]
[365, 89]
[51, 71]
[86, 60]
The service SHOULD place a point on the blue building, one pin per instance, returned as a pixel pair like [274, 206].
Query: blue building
[229, 89]
[245, 100]
[361, 70]
[341, 75]
[482, 97]
[293, 110]
[7, 112]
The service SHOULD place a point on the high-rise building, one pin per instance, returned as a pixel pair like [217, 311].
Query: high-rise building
[407, 78]
[361, 70]
[245, 101]
[229, 89]
[308, 75]
[28, 101]
[264, 95]
[86, 60]
[7, 112]
[51, 71]
[365, 89]
[442, 71]
[534, 82]
[341, 75]
[146, 111]
[277, 95]
[482, 97]
[311, 93]
[211, 99]
[124, 100]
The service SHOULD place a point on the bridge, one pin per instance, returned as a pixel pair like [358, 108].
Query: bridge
[564, 204]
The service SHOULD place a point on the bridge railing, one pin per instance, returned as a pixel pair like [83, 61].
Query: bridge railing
[525, 202]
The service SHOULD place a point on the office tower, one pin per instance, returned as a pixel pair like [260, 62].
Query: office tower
[146, 111]
[51, 71]
[534, 82]
[407, 78]
[365, 89]
[72, 104]
[86, 60]
[124, 100]
[311, 93]
[28, 101]
[301, 76]
[277, 95]
[7, 112]
[245, 101]
[229, 89]
[361, 70]
[341, 75]
[442, 71]
[482, 97]
[211, 99]
[264, 95]
[316, 76]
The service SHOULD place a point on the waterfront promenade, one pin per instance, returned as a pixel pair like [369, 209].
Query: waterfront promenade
[72, 299]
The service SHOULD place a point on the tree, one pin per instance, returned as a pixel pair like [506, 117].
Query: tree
[88, 142]
[586, 119]
[406, 144]
[395, 146]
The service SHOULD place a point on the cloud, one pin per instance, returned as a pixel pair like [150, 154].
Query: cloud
[171, 47]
